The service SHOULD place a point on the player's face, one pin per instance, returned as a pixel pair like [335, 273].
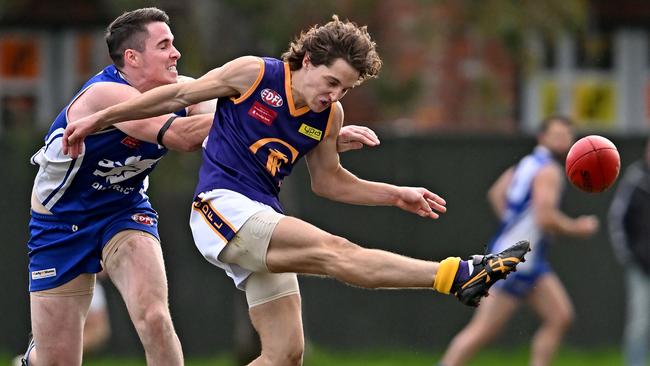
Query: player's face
[325, 85]
[160, 56]
[558, 138]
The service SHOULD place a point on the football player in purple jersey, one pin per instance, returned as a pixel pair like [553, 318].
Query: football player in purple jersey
[92, 212]
[274, 112]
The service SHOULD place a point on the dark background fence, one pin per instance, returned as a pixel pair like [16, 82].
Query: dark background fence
[203, 299]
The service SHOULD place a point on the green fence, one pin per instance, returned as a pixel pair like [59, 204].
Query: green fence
[460, 169]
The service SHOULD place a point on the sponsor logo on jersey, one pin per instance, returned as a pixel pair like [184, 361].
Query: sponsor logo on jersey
[278, 153]
[310, 131]
[43, 273]
[131, 142]
[262, 113]
[116, 171]
[143, 219]
[275, 160]
[271, 97]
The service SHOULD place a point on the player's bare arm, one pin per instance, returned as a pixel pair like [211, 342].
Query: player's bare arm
[496, 195]
[204, 107]
[233, 78]
[185, 134]
[330, 180]
[546, 194]
[352, 137]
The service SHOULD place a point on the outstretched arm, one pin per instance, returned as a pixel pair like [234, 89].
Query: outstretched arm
[233, 78]
[330, 180]
[184, 134]
[547, 186]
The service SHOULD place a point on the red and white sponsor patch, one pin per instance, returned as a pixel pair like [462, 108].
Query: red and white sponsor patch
[131, 142]
[143, 219]
[262, 113]
[271, 97]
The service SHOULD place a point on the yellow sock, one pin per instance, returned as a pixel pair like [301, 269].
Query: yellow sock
[446, 274]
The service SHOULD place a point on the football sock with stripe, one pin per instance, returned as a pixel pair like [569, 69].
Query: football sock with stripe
[452, 272]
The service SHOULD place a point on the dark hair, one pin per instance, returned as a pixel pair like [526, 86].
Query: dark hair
[546, 122]
[334, 40]
[128, 31]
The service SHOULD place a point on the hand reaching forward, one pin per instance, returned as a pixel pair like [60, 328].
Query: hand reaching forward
[75, 133]
[421, 201]
[586, 226]
[351, 137]
[354, 137]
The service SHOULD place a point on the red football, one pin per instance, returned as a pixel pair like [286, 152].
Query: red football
[593, 163]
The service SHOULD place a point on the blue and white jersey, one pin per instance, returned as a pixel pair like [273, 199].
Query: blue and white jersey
[256, 139]
[109, 177]
[519, 222]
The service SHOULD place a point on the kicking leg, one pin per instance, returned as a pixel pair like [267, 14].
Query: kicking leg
[297, 246]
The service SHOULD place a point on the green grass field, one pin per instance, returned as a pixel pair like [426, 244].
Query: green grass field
[322, 357]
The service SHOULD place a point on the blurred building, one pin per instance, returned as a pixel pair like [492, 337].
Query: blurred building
[47, 50]
[599, 75]
[462, 66]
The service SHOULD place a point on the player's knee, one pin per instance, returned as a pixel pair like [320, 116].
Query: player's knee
[154, 321]
[338, 254]
[567, 317]
[563, 318]
[289, 354]
[292, 356]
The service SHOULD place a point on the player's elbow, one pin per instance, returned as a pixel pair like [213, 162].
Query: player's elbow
[547, 227]
[547, 224]
[190, 146]
[322, 188]
[183, 144]
[318, 189]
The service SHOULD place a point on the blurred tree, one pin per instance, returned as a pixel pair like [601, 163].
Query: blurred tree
[469, 56]
[447, 64]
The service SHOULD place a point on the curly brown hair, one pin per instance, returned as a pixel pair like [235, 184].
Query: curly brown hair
[334, 40]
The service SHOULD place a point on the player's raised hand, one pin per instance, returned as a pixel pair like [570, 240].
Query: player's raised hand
[586, 226]
[421, 201]
[75, 133]
[352, 137]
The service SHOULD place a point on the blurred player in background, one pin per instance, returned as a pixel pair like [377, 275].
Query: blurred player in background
[629, 215]
[92, 212]
[526, 198]
[277, 112]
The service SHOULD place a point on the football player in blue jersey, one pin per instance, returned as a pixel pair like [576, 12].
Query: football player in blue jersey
[92, 212]
[526, 198]
[277, 112]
